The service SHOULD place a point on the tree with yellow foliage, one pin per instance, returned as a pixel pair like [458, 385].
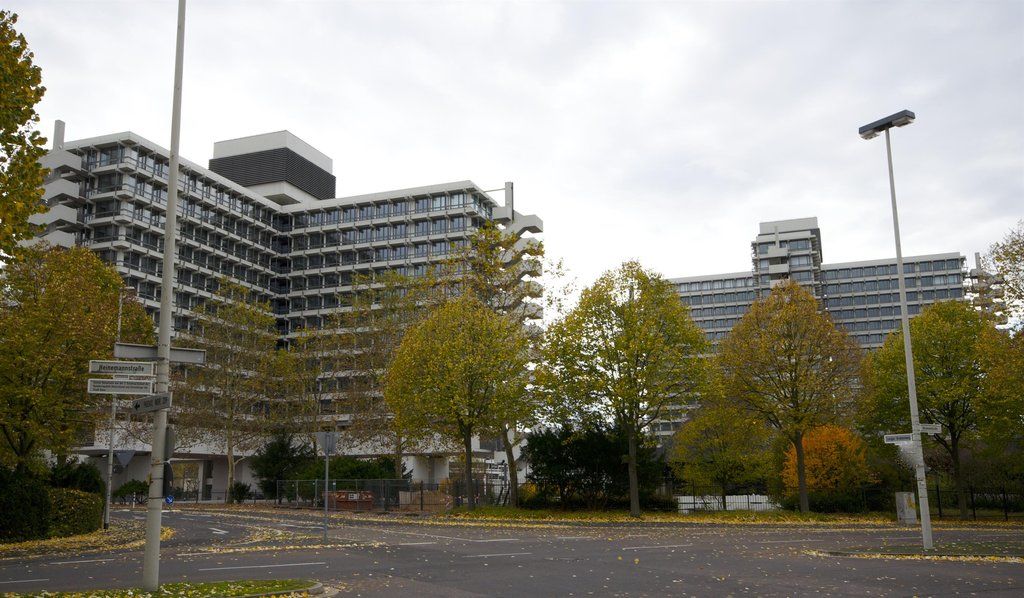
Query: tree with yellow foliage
[835, 461]
[21, 146]
[625, 353]
[58, 310]
[460, 370]
[786, 362]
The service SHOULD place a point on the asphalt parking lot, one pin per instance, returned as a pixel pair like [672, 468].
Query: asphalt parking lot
[399, 558]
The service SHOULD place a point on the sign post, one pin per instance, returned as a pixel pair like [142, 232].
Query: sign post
[329, 441]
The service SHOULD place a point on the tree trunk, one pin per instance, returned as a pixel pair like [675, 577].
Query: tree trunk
[467, 475]
[634, 482]
[801, 473]
[231, 474]
[513, 471]
[958, 479]
[398, 457]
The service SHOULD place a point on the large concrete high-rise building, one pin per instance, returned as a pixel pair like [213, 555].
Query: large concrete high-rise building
[263, 215]
[861, 297]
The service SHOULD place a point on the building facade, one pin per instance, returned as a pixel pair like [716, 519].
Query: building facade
[861, 297]
[263, 215]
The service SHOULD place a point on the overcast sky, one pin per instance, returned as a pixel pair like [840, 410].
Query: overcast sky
[662, 131]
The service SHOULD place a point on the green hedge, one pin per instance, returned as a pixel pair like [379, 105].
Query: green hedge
[74, 512]
[24, 507]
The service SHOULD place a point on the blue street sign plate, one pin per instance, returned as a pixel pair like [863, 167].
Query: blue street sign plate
[169, 499]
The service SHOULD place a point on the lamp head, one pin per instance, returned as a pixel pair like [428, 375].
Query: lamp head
[900, 119]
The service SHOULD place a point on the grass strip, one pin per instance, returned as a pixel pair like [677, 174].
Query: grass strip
[216, 589]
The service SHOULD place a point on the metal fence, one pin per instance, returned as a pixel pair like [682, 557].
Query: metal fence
[990, 502]
[386, 495]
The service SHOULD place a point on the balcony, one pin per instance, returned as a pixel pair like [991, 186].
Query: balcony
[62, 161]
[59, 190]
[58, 217]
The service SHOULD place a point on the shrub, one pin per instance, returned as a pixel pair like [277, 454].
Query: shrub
[80, 476]
[74, 512]
[280, 459]
[344, 467]
[239, 492]
[24, 507]
[132, 487]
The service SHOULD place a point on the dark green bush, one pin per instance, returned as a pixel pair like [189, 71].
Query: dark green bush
[852, 500]
[280, 459]
[132, 487]
[344, 467]
[24, 507]
[240, 491]
[74, 512]
[80, 476]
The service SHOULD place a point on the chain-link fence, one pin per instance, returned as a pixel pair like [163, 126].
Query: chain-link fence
[386, 495]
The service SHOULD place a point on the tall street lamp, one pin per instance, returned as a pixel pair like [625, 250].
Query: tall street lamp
[870, 131]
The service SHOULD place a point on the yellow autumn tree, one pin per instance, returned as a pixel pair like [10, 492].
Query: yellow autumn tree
[58, 310]
[786, 362]
[458, 372]
[835, 460]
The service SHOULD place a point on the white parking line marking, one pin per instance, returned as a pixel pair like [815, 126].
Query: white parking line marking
[572, 538]
[660, 546]
[83, 561]
[483, 556]
[25, 580]
[498, 540]
[262, 566]
[415, 543]
[217, 531]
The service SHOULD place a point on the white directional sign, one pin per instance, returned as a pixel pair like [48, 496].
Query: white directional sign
[931, 428]
[101, 386]
[121, 368]
[178, 355]
[898, 438]
[151, 403]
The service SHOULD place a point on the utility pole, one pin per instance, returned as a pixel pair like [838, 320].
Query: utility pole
[154, 511]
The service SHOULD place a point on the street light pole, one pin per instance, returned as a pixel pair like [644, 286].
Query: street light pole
[154, 510]
[868, 132]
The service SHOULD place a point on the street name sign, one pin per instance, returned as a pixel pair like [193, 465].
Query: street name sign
[151, 403]
[930, 428]
[178, 355]
[121, 368]
[102, 386]
[898, 438]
